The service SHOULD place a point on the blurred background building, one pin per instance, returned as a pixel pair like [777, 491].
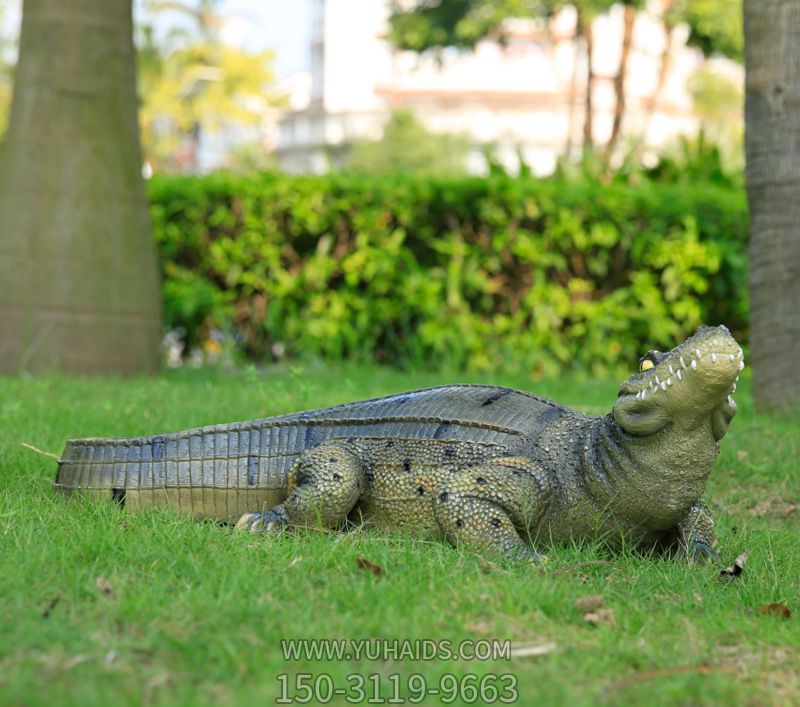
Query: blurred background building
[524, 96]
[247, 84]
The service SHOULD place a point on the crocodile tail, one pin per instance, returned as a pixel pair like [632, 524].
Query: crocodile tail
[208, 472]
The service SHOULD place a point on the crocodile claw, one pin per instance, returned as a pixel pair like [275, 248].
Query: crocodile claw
[520, 553]
[267, 522]
[701, 552]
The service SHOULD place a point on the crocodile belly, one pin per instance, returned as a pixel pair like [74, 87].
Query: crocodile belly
[403, 477]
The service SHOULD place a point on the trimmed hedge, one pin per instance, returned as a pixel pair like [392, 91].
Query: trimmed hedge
[547, 275]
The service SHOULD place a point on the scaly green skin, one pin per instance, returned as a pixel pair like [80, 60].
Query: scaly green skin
[482, 465]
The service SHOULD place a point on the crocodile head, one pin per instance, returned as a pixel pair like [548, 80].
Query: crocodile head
[684, 388]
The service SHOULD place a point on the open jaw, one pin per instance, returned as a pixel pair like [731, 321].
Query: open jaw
[694, 381]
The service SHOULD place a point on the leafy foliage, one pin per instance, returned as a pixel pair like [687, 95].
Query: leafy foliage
[196, 82]
[718, 102]
[201, 85]
[716, 27]
[6, 70]
[453, 23]
[433, 25]
[544, 276]
[408, 147]
[717, 99]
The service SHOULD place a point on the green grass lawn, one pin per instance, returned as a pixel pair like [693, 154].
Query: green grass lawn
[99, 606]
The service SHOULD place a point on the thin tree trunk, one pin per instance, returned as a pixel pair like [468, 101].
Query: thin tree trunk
[663, 70]
[573, 90]
[585, 30]
[629, 19]
[772, 144]
[79, 286]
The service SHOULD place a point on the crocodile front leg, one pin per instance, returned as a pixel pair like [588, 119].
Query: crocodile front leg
[693, 538]
[488, 505]
[324, 485]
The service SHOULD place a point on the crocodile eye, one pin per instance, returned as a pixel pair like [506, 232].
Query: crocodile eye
[650, 360]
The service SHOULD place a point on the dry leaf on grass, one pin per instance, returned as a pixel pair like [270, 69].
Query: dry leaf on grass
[483, 626]
[364, 564]
[761, 508]
[736, 569]
[74, 660]
[50, 606]
[601, 617]
[104, 586]
[589, 603]
[663, 672]
[773, 507]
[776, 609]
[154, 683]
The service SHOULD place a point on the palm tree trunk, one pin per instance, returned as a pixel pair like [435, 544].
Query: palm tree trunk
[772, 144]
[79, 286]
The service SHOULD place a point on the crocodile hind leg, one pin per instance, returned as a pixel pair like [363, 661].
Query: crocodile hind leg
[488, 505]
[324, 485]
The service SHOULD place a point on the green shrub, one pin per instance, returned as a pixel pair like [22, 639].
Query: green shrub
[545, 275]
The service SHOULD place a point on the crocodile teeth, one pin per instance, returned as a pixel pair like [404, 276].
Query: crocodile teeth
[669, 381]
[663, 385]
[713, 357]
[683, 363]
[697, 353]
[733, 390]
[730, 401]
[731, 357]
[694, 365]
[670, 369]
[737, 379]
[680, 376]
[644, 394]
[741, 365]
[658, 382]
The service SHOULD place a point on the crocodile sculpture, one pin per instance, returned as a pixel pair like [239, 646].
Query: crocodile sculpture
[482, 465]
